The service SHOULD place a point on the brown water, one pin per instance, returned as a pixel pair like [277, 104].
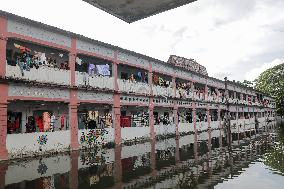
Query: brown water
[258, 163]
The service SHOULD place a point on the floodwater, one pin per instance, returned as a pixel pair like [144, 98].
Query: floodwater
[254, 162]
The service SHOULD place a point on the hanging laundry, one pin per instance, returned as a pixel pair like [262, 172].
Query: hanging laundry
[22, 48]
[139, 76]
[103, 70]
[92, 69]
[62, 121]
[39, 122]
[46, 121]
[42, 58]
[78, 60]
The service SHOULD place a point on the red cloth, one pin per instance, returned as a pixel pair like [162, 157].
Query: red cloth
[39, 123]
[62, 120]
[17, 123]
[125, 121]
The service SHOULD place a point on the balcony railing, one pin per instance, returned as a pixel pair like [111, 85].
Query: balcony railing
[211, 98]
[165, 129]
[133, 87]
[186, 127]
[202, 125]
[215, 124]
[199, 96]
[181, 93]
[43, 74]
[101, 82]
[162, 91]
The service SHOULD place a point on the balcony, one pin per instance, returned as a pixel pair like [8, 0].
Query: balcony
[186, 127]
[199, 96]
[163, 91]
[100, 82]
[211, 98]
[202, 126]
[162, 129]
[215, 124]
[133, 87]
[43, 74]
[184, 94]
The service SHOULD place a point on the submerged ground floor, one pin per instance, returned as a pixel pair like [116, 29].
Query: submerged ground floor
[198, 159]
[38, 127]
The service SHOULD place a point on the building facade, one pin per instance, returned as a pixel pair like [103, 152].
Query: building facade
[60, 91]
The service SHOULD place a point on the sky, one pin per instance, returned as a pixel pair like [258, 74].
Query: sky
[234, 38]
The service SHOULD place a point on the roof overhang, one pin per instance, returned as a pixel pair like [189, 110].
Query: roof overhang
[134, 10]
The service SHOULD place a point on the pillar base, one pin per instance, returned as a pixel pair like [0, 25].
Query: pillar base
[3, 155]
[75, 146]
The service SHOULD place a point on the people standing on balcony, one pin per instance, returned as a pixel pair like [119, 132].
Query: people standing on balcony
[30, 126]
[131, 78]
[28, 59]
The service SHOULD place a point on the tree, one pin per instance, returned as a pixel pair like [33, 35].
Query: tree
[248, 83]
[271, 82]
[274, 158]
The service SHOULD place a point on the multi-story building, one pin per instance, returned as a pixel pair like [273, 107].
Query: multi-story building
[61, 91]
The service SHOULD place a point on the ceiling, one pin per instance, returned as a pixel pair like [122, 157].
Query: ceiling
[134, 10]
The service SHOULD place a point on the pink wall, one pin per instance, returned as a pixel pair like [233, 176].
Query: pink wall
[3, 90]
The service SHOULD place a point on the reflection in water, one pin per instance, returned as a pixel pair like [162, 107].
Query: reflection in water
[193, 161]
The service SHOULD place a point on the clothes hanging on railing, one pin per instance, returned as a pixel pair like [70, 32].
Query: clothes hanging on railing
[103, 70]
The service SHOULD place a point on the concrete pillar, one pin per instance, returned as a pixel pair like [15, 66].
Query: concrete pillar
[3, 90]
[195, 132]
[174, 85]
[3, 44]
[153, 158]
[175, 112]
[118, 167]
[192, 90]
[238, 126]
[73, 106]
[116, 104]
[116, 119]
[73, 120]
[115, 72]
[220, 128]
[3, 169]
[217, 93]
[72, 62]
[73, 181]
[3, 123]
[177, 154]
[206, 92]
[151, 119]
[150, 79]
[209, 130]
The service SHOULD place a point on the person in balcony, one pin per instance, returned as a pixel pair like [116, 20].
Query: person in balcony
[20, 63]
[155, 79]
[92, 70]
[62, 66]
[66, 63]
[92, 124]
[131, 78]
[30, 126]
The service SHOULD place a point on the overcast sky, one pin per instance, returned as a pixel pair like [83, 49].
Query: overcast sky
[234, 38]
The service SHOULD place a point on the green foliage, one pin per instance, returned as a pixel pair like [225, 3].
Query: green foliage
[275, 156]
[271, 82]
[246, 83]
